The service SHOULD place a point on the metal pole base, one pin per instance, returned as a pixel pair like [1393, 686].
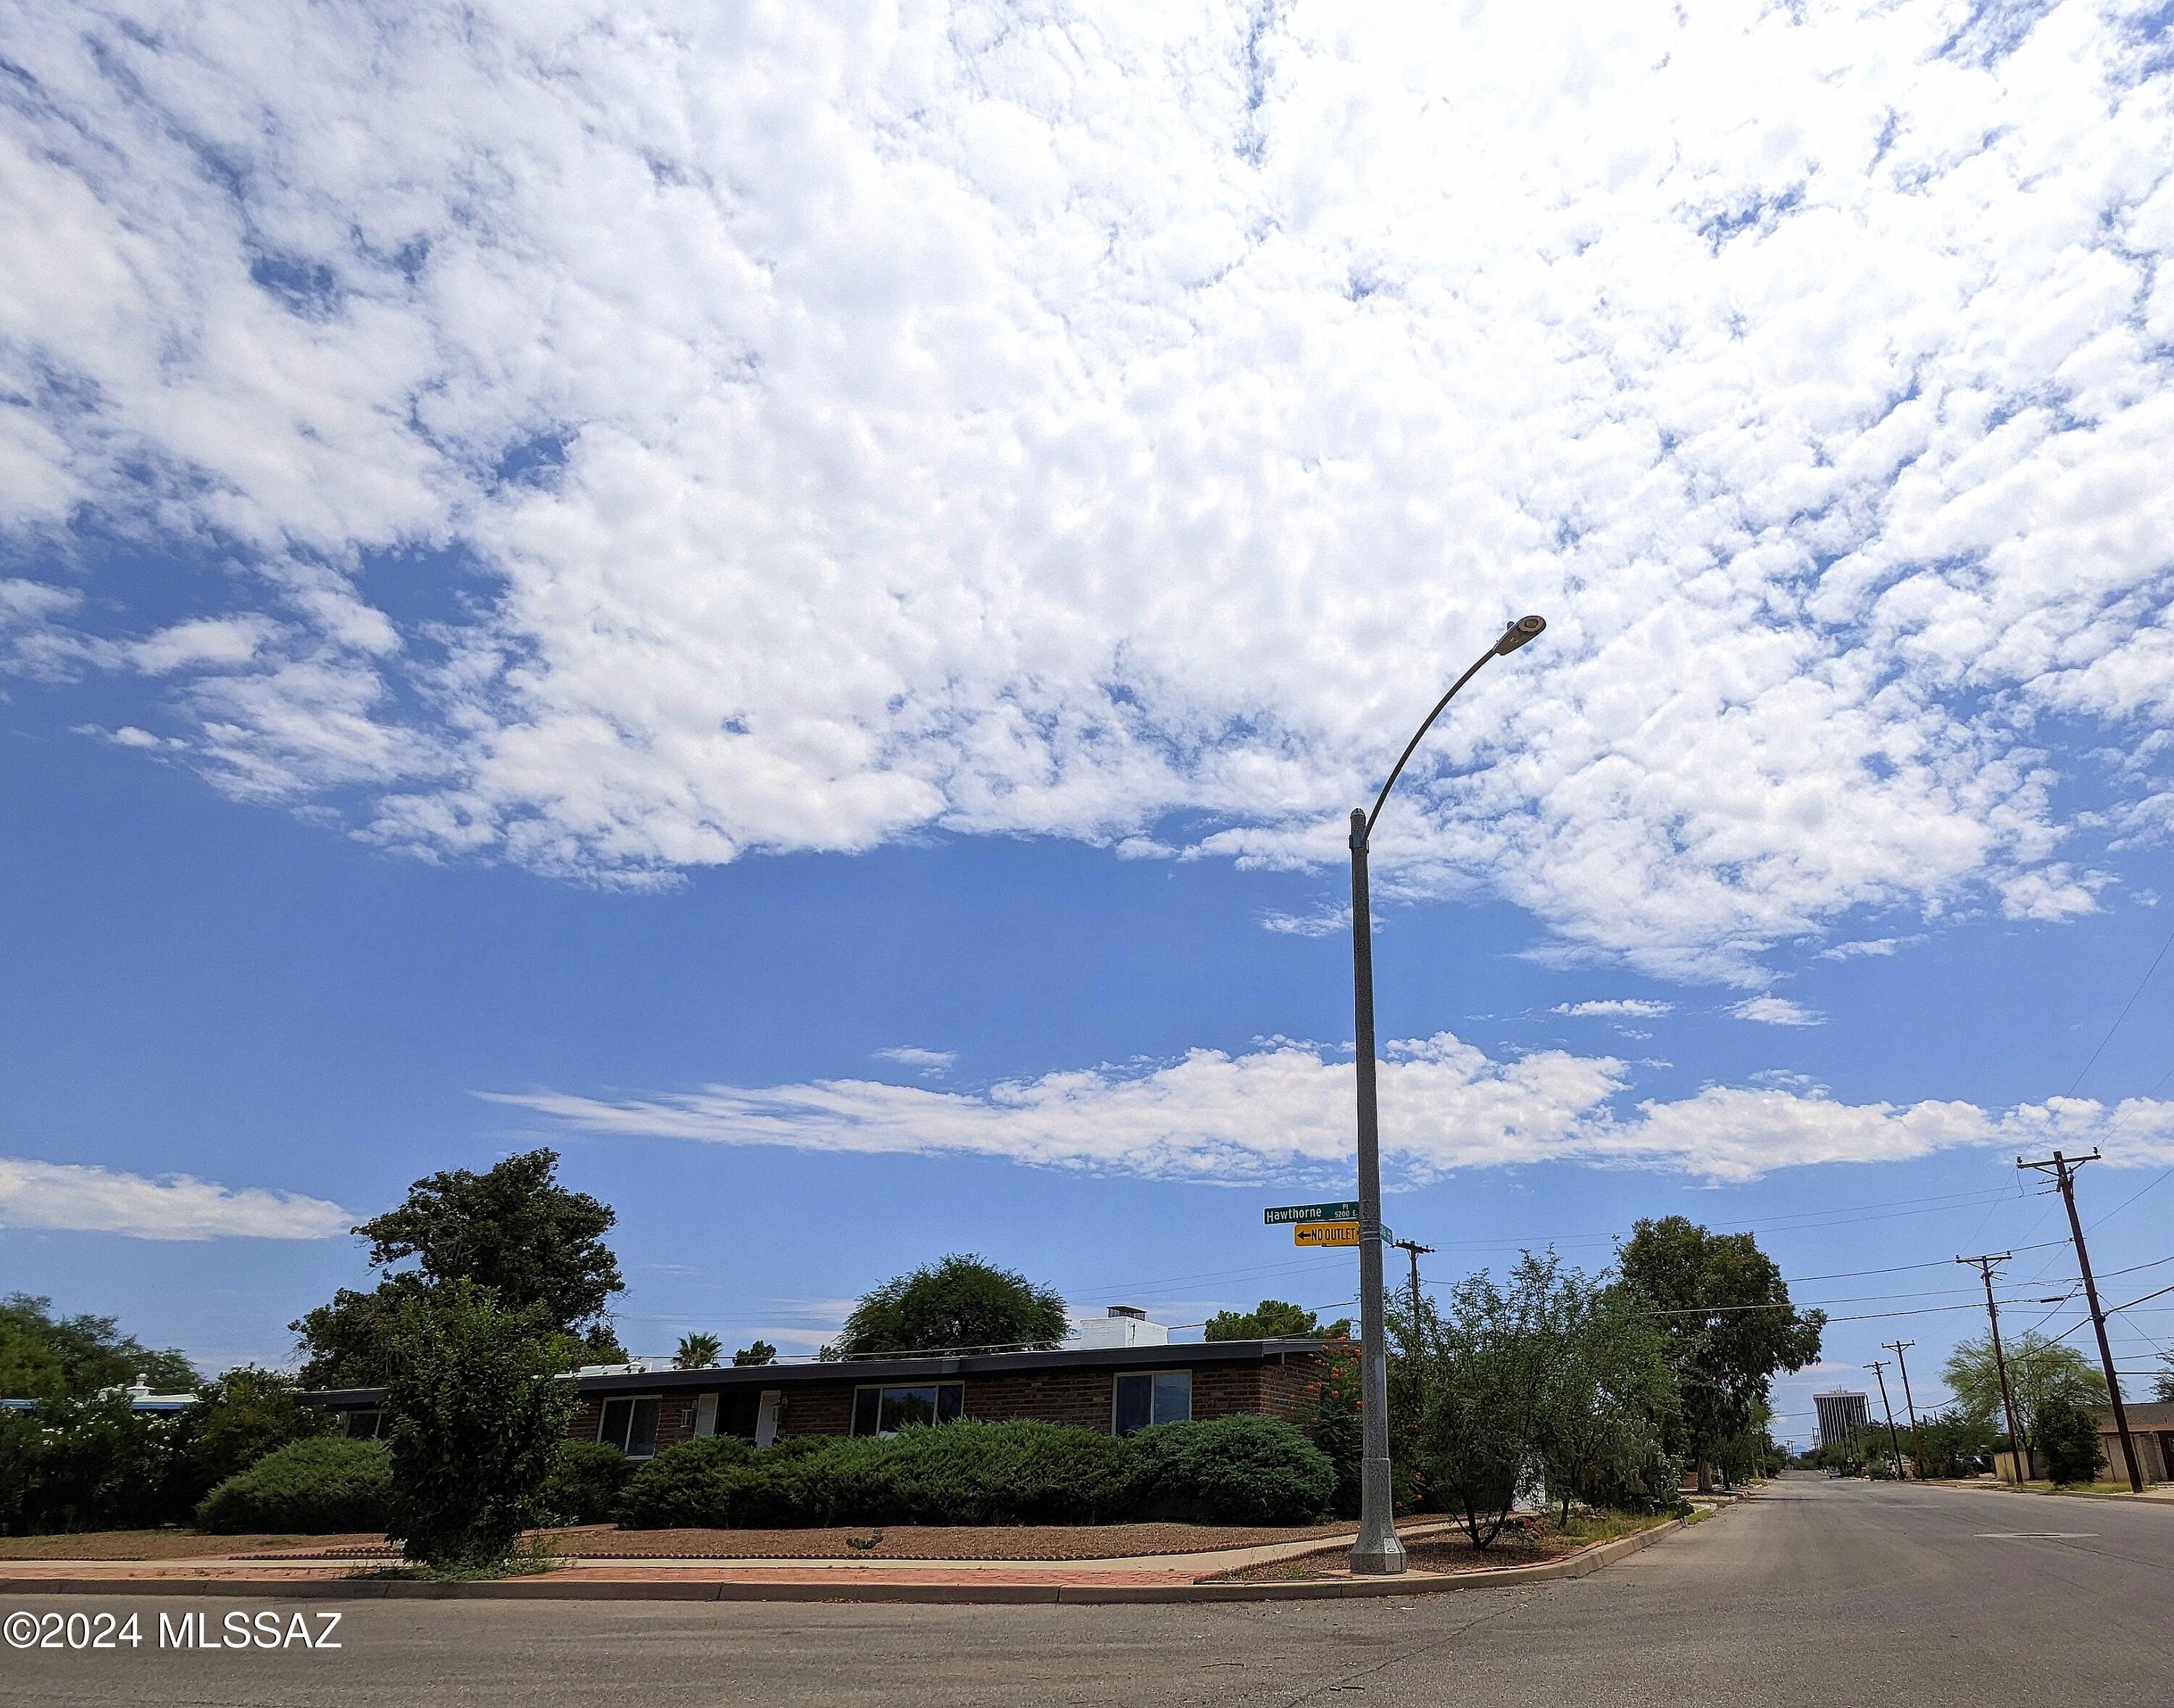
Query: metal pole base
[1376, 1553]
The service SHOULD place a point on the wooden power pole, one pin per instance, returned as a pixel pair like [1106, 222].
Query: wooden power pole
[2064, 1170]
[1917, 1457]
[1985, 1266]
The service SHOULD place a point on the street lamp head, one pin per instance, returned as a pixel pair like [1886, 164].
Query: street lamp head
[1517, 634]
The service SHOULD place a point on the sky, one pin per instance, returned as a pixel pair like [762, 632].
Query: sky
[791, 601]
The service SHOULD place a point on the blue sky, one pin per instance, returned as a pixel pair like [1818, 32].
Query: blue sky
[794, 608]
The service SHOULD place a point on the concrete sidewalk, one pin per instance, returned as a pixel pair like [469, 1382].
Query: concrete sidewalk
[1171, 1577]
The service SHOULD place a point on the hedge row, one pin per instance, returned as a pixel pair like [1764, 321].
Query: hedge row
[1241, 1470]
[1238, 1470]
[318, 1486]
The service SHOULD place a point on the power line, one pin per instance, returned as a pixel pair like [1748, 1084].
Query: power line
[2123, 1014]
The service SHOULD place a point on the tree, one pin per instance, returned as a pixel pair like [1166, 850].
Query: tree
[47, 1357]
[1725, 1310]
[1611, 1402]
[1332, 1424]
[1272, 1319]
[2066, 1437]
[477, 1418]
[2042, 1373]
[961, 1302]
[513, 1229]
[1952, 1443]
[761, 1352]
[237, 1420]
[698, 1351]
[2162, 1382]
[1484, 1381]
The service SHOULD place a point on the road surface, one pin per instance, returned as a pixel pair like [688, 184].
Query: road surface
[1815, 1592]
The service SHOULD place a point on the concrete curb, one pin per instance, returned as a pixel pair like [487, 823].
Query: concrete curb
[2063, 1494]
[575, 1588]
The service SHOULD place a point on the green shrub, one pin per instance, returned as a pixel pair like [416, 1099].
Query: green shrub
[94, 1464]
[1234, 1470]
[584, 1484]
[1239, 1470]
[324, 1483]
[976, 1474]
[478, 1419]
[2066, 1437]
[953, 1473]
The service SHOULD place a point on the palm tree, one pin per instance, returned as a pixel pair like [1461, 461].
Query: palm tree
[698, 1352]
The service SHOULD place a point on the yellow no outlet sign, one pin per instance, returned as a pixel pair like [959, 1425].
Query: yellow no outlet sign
[1328, 1234]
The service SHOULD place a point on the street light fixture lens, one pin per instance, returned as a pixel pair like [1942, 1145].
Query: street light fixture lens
[1517, 634]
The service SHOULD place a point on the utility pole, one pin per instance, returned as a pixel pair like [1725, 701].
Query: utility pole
[1917, 1455]
[2064, 1170]
[1985, 1268]
[1879, 1368]
[1415, 1251]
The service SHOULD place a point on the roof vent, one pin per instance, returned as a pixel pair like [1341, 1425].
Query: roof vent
[1128, 1311]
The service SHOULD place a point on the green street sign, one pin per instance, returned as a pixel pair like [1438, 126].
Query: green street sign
[1345, 1212]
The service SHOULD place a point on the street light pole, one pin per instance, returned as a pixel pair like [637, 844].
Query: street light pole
[1378, 1552]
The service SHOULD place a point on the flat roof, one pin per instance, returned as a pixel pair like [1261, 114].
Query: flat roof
[1190, 1355]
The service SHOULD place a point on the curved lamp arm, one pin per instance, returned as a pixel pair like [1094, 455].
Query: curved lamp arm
[1515, 636]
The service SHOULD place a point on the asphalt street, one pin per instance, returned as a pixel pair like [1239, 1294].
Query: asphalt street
[1813, 1592]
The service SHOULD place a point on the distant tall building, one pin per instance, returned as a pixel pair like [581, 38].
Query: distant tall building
[1843, 1417]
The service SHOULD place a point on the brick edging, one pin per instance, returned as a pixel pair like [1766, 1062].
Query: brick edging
[568, 1588]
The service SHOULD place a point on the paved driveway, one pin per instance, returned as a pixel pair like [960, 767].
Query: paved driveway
[1817, 1592]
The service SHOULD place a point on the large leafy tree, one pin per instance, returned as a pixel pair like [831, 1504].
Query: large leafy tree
[1725, 1309]
[958, 1303]
[1272, 1319]
[1611, 1402]
[537, 1246]
[43, 1356]
[1483, 1370]
[2041, 1374]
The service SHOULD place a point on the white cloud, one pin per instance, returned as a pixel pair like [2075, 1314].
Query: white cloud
[1328, 921]
[929, 1062]
[1283, 1111]
[205, 643]
[1777, 1011]
[1868, 946]
[859, 423]
[79, 1198]
[1629, 1007]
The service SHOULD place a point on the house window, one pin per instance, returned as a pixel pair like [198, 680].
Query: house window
[1151, 1397]
[365, 1426]
[883, 1411]
[629, 1425]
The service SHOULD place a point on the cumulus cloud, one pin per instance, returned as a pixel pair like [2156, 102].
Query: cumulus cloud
[641, 437]
[1777, 1011]
[1282, 1110]
[1627, 1008]
[76, 1197]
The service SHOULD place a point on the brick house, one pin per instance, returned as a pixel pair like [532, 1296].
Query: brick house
[1113, 1389]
